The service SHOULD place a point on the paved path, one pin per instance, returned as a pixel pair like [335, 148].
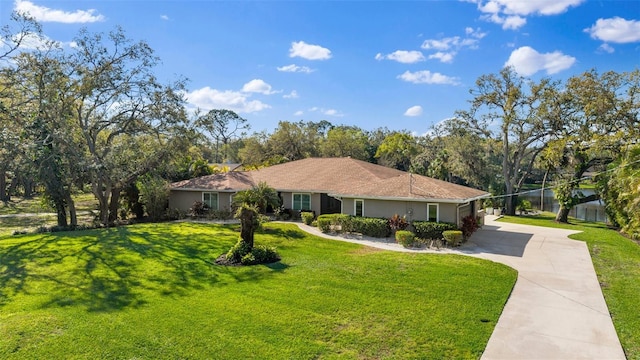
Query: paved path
[556, 309]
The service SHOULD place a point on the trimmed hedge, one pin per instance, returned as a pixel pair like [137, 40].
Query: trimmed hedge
[375, 227]
[432, 230]
[405, 238]
[307, 217]
[324, 224]
[342, 223]
[452, 237]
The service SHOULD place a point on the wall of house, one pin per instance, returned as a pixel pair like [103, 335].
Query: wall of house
[183, 200]
[287, 200]
[448, 212]
[412, 210]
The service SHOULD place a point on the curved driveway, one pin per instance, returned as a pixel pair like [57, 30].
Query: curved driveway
[556, 309]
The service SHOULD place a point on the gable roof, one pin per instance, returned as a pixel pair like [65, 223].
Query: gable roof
[339, 177]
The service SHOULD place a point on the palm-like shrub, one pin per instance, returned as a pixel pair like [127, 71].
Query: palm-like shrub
[261, 196]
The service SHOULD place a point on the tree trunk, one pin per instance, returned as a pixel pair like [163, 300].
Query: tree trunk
[12, 188]
[510, 200]
[103, 201]
[563, 213]
[248, 222]
[61, 212]
[3, 186]
[114, 204]
[29, 185]
[73, 218]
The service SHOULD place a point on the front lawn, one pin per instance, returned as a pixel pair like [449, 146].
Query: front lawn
[152, 291]
[616, 260]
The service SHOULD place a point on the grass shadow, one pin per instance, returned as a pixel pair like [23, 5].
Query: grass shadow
[117, 268]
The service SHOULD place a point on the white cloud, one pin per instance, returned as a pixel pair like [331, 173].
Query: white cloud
[403, 56]
[333, 112]
[298, 113]
[258, 86]
[46, 14]
[441, 44]
[606, 48]
[511, 14]
[329, 112]
[308, 51]
[164, 17]
[616, 30]
[476, 33]
[527, 61]
[292, 95]
[207, 98]
[414, 111]
[296, 68]
[513, 22]
[540, 7]
[427, 77]
[447, 48]
[445, 57]
[33, 41]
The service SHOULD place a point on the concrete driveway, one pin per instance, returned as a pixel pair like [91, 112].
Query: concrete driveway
[556, 309]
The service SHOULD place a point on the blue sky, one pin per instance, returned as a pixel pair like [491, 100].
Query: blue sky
[403, 65]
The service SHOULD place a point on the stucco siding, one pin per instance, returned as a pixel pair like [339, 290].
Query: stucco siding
[183, 200]
[412, 210]
[448, 213]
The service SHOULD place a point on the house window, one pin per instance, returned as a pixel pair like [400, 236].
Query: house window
[301, 201]
[433, 213]
[358, 207]
[211, 200]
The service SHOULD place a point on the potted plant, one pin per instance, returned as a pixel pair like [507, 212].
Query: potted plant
[488, 204]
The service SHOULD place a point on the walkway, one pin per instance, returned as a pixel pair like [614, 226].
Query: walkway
[556, 309]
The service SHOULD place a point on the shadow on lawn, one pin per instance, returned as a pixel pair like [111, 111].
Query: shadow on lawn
[113, 269]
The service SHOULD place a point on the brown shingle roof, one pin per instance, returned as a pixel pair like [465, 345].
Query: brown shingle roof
[336, 176]
[233, 180]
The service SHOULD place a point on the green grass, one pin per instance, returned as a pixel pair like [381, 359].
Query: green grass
[616, 260]
[152, 291]
[35, 205]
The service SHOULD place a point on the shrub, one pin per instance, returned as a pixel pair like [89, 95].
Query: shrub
[375, 227]
[469, 226]
[224, 214]
[307, 217]
[282, 213]
[452, 237]
[238, 251]
[324, 224]
[176, 214]
[248, 259]
[265, 254]
[154, 194]
[398, 223]
[260, 254]
[405, 238]
[432, 230]
[344, 222]
[524, 205]
[198, 209]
